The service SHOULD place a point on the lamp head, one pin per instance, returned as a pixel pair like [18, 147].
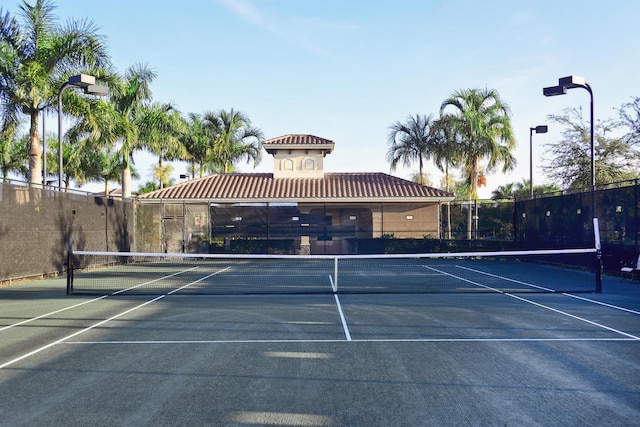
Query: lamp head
[570, 82]
[541, 129]
[554, 90]
[81, 80]
[97, 90]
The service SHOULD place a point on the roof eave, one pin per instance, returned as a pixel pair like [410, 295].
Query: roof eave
[432, 199]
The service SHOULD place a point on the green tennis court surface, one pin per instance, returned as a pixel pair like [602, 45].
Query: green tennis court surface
[320, 359]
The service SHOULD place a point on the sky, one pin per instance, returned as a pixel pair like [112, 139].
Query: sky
[347, 70]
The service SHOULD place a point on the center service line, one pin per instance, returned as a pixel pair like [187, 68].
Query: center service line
[344, 322]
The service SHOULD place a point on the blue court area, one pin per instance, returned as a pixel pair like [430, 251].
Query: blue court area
[492, 358]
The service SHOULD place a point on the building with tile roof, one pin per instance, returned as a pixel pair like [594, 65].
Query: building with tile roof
[296, 209]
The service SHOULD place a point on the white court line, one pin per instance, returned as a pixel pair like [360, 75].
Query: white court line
[463, 279]
[505, 278]
[562, 293]
[372, 340]
[42, 316]
[61, 340]
[603, 303]
[197, 281]
[153, 281]
[540, 305]
[575, 317]
[347, 334]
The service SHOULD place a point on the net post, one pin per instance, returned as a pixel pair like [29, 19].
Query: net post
[598, 260]
[335, 275]
[69, 272]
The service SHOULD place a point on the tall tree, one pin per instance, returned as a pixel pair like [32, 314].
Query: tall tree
[234, 139]
[196, 141]
[13, 152]
[479, 125]
[412, 141]
[162, 174]
[569, 161]
[446, 157]
[630, 118]
[163, 131]
[124, 120]
[129, 99]
[36, 58]
[105, 167]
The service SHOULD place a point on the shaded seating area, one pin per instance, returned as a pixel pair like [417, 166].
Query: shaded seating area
[631, 269]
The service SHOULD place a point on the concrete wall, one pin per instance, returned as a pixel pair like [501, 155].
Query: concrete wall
[37, 228]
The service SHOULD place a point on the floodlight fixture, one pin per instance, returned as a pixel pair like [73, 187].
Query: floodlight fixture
[96, 90]
[571, 82]
[537, 129]
[554, 90]
[81, 80]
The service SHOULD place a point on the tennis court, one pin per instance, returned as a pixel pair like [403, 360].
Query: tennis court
[403, 358]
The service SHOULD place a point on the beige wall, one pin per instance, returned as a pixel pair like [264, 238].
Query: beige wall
[297, 163]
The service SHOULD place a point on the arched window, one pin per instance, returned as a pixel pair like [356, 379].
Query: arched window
[287, 164]
[309, 164]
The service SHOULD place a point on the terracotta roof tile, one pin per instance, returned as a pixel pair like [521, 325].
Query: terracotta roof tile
[334, 186]
[297, 139]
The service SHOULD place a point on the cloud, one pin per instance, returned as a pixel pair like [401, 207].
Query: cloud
[297, 30]
[248, 12]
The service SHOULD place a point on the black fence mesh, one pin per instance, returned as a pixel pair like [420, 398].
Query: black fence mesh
[564, 220]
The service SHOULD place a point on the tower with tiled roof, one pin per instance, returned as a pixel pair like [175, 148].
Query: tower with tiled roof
[298, 156]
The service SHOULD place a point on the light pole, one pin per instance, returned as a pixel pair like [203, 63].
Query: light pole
[88, 84]
[571, 82]
[44, 148]
[537, 129]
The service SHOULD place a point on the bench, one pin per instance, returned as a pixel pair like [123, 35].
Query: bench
[631, 269]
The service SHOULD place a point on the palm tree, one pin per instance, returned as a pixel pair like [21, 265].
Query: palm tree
[446, 157]
[234, 139]
[521, 190]
[108, 169]
[412, 141]
[90, 142]
[162, 132]
[130, 112]
[162, 174]
[124, 120]
[506, 191]
[37, 58]
[13, 152]
[480, 127]
[196, 141]
[420, 178]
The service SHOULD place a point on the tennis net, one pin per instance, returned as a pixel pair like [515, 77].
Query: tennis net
[571, 270]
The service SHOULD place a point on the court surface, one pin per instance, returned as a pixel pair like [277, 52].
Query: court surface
[320, 359]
